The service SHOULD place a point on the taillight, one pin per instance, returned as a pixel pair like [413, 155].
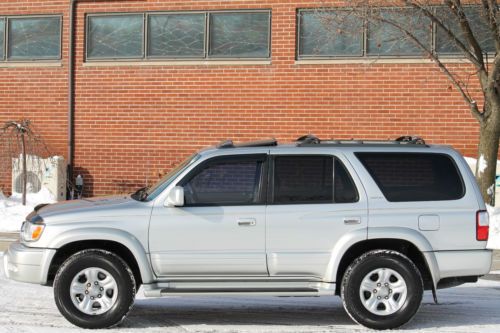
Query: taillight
[482, 225]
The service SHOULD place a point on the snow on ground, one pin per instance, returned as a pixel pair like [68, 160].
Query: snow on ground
[13, 213]
[494, 236]
[469, 308]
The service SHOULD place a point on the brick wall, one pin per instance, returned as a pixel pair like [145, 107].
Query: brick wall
[133, 122]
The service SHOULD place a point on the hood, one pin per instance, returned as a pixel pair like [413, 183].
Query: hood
[81, 209]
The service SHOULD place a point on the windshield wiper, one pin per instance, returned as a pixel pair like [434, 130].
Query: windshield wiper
[141, 194]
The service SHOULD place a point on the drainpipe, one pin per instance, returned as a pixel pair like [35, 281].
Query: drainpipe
[71, 89]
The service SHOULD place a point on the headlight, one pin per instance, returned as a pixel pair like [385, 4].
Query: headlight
[31, 232]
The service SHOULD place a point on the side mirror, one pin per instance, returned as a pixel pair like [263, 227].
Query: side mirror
[175, 198]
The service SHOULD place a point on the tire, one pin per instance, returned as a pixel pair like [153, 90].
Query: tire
[382, 289]
[94, 289]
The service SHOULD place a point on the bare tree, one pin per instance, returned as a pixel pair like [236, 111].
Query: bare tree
[469, 31]
[17, 139]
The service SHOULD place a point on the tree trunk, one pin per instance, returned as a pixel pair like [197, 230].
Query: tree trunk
[25, 171]
[487, 156]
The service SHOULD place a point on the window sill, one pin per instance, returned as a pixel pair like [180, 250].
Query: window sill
[379, 61]
[16, 64]
[177, 63]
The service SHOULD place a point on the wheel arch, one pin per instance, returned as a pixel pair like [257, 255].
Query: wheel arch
[122, 244]
[403, 246]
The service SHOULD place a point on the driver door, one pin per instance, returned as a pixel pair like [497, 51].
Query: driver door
[221, 228]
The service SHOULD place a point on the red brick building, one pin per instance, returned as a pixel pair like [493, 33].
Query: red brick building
[149, 89]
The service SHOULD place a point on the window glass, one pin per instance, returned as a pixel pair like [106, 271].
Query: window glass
[478, 23]
[303, 179]
[34, 38]
[119, 36]
[239, 35]
[386, 39]
[330, 33]
[344, 189]
[179, 35]
[225, 183]
[414, 176]
[2, 36]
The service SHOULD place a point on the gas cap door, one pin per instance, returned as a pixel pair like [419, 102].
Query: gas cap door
[429, 222]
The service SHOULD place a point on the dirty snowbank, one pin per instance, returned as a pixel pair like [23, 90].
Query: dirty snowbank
[13, 213]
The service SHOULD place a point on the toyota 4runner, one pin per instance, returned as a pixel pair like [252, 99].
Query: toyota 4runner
[376, 223]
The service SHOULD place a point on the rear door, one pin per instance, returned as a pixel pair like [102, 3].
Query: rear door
[313, 201]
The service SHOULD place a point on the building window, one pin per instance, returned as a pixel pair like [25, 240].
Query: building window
[239, 35]
[386, 40]
[195, 35]
[115, 36]
[481, 31]
[176, 35]
[30, 38]
[2, 38]
[321, 34]
[333, 33]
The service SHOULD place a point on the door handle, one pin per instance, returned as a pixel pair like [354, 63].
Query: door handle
[352, 220]
[247, 222]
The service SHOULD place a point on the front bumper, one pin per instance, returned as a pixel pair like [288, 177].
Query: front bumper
[27, 264]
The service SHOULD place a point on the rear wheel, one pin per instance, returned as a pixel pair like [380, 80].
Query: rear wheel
[94, 289]
[382, 289]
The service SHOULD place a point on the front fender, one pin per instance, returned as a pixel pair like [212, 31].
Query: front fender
[108, 234]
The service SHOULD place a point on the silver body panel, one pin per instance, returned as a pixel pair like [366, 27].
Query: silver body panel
[279, 249]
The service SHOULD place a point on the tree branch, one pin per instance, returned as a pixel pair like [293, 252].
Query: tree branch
[433, 56]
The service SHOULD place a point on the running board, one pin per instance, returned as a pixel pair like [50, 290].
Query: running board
[235, 289]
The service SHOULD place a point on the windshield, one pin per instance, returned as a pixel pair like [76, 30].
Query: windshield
[157, 188]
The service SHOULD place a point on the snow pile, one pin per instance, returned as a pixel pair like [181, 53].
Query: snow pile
[13, 213]
[494, 236]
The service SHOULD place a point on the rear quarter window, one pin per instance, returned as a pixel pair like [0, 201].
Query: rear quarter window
[414, 176]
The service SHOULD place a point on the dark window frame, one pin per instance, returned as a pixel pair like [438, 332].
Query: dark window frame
[262, 186]
[146, 38]
[6, 44]
[377, 182]
[335, 159]
[364, 53]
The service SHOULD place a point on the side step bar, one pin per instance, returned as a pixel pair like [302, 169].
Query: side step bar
[164, 289]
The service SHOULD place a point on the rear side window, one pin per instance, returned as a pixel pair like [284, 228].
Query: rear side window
[311, 179]
[414, 176]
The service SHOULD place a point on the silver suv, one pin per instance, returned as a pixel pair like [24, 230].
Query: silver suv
[376, 223]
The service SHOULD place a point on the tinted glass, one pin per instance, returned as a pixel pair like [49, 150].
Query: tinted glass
[386, 39]
[119, 36]
[2, 36]
[344, 190]
[478, 23]
[225, 183]
[34, 38]
[330, 33]
[414, 177]
[239, 35]
[179, 35]
[303, 179]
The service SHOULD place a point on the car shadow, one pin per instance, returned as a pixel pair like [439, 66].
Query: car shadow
[302, 313]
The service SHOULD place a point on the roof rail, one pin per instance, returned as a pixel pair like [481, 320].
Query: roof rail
[311, 140]
[260, 143]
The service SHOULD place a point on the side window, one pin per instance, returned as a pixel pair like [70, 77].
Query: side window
[414, 176]
[344, 190]
[311, 179]
[225, 182]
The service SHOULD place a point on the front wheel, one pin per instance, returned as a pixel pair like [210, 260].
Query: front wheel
[94, 289]
[382, 289]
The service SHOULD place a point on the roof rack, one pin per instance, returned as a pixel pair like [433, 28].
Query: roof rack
[311, 140]
[260, 143]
